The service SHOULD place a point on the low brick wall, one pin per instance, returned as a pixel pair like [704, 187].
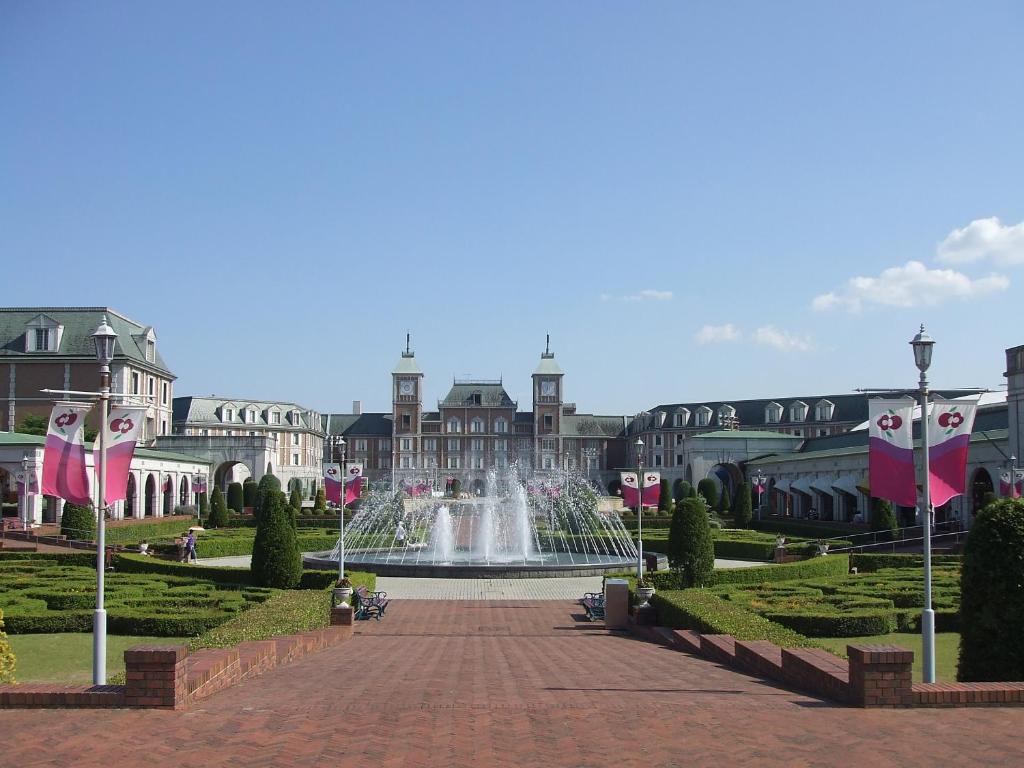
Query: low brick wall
[875, 675]
[168, 677]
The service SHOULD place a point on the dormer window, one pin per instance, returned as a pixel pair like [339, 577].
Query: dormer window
[726, 414]
[229, 414]
[772, 413]
[680, 417]
[823, 410]
[42, 334]
[250, 416]
[295, 418]
[275, 417]
[703, 416]
[150, 350]
[798, 411]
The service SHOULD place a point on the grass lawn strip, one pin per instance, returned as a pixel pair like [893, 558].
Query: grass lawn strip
[66, 657]
[947, 647]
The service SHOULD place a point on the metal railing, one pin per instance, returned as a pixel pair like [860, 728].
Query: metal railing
[902, 542]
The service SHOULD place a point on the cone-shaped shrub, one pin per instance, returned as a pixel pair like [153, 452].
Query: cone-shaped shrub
[680, 489]
[709, 491]
[267, 484]
[883, 520]
[691, 553]
[295, 499]
[743, 508]
[249, 492]
[78, 522]
[235, 497]
[320, 505]
[724, 502]
[991, 598]
[204, 506]
[664, 497]
[276, 560]
[218, 510]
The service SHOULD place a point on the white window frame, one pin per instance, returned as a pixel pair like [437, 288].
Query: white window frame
[476, 426]
[501, 426]
[454, 426]
[406, 444]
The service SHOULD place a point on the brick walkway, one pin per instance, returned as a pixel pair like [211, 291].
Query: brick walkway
[507, 684]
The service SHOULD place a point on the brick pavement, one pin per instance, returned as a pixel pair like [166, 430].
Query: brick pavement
[507, 684]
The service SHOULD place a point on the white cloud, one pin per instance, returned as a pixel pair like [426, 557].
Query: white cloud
[984, 239]
[648, 294]
[912, 285]
[771, 336]
[715, 334]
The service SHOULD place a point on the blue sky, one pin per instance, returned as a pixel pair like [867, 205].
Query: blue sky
[680, 193]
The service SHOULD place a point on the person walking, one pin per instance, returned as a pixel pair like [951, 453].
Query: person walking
[400, 535]
[190, 548]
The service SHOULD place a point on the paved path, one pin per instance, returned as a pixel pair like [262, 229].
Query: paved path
[495, 684]
[488, 589]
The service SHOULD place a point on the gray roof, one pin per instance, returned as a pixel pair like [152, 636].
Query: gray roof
[357, 425]
[548, 366]
[76, 338]
[407, 364]
[588, 425]
[203, 410]
[492, 395]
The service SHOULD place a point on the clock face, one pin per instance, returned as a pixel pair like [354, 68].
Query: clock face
[547, 388]
[405, 388]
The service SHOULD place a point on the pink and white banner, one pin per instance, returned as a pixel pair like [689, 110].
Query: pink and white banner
[27, 482]
[332, 483]
[353, 482]
[651, 493]
[123, 426]
[891, 450]
[949, 435]
[630, 489]
[199, 484]
[64, 470]
[1011, 487]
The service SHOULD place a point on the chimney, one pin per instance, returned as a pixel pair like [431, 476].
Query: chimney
[357, 407]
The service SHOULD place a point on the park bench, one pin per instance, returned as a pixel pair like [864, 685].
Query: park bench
[369, 604]
[593, 604]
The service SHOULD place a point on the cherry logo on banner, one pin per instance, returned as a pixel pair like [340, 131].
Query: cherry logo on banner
[950, 420]
[629, 480]
[122, 427]
[332, 471]
[889, 421]
[354, 471]
[66, 420]
[651, 478]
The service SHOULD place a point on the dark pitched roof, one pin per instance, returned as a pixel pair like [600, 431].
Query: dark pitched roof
[491, 394]
[76, 339]
[589, 425]
[372, 424]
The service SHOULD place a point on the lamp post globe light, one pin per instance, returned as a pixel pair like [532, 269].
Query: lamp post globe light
[922, 345]
[103, 338]
[639, 509]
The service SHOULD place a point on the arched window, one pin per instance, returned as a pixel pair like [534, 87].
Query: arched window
[501, 426]
[476, 425]
[823, 410]
[772, 413]
[454, 425]
[798, 411]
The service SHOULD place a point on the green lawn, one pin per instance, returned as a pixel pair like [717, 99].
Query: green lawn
[947, 646]
[66, 657]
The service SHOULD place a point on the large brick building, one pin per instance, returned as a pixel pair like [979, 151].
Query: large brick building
[52, 348]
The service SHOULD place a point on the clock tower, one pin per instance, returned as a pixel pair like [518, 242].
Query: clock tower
[547, 411]
[407, 410]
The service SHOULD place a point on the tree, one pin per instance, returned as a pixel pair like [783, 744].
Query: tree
[883, 520]
[664, 497]
[236, 497]
[456, 488]
[991, 600]
[742, 509]
[320, 505]
[218, 510]
[78, 522]
[691, 553]
[709, 491]
[295, 505]
[276, 560]
[268, 483]
[249, 489]
[724, 502]
[680, 489]
[691, 493]
[35, 424]
[204, 505]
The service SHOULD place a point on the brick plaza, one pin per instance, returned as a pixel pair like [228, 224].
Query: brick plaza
[507, 683]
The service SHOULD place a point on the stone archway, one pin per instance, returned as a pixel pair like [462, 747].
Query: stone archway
[981, 484]
[131, 497]
[230, 472]
[688, 475]
[168, 488]
[150, 508]
[729, 476]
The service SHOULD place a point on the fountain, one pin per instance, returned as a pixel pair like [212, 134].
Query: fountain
[532, 526]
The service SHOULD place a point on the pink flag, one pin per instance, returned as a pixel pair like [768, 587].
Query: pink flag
[652, 489]
[630, 489]
[64, 473]
[353, 482]
[949, 437]
[332, 482]
[123, 425]
[891, 451]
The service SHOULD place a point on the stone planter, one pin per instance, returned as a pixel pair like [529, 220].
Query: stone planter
[645, 593]
[143, 548]
[342, 595]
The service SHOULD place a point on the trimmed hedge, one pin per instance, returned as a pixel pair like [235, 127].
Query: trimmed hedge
[862, 623]
[129, 563]
[869, 563]
[830, 565]
[704, 611]
[80, 559]
[809, 529]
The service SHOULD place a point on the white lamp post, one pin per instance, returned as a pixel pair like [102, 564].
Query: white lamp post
[341, 515]
[24, 499]
[103, 337]
[639, 510]
[922, 344]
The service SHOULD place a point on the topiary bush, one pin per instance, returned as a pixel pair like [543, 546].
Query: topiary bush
[724, 501]
[691, 553]
[742, 509]
[218, 511]
[883, 519]
[709, 491]
[249, 489]
[664, 497]
[204, 506]
[6, 655]
[78, 522]
[991, 596]
[268, 483]
[680, 489]
[320, 504]
[276, 560]
[235, 497]
[295, 499]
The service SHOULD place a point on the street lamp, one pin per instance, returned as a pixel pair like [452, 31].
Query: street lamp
[25, 489]
[922, 344]
[341, 516]
[103, 338]
[759, 479]
[639, 510]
